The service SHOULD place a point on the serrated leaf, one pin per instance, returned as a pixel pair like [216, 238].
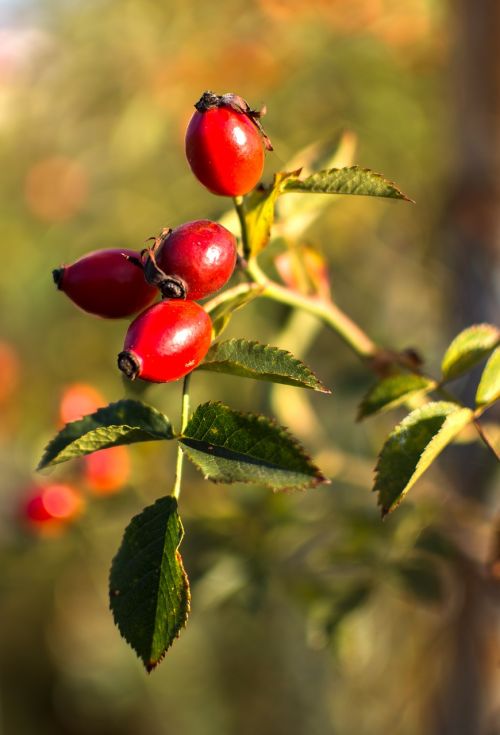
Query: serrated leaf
[468, 348]
[222, 313]
[488, 390]
[228, 446]
[393, 391]
[123, 422]
[149, 589]
[412, 447]
[350, 180]
[259, 213]
[261, 362]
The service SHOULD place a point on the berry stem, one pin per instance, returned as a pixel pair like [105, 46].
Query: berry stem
[240, 210]
[184, 421]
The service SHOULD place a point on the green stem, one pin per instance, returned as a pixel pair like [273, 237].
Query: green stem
[184, 420]
[230, 294]
[240, 210]
[327, 311]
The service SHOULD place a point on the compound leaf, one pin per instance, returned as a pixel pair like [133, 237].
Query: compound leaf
[149, 589]
[412, 447]
[393, 391]
[350, 180]
[124, 422]
[468, 348]
[228, 446]
[488, 390]
[262, 362]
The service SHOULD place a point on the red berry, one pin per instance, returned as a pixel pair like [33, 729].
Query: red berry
[192, 261]
[225, 144]
[78, 400]
[107, 283]
[166, 341]
[52, 505]
[107, 470]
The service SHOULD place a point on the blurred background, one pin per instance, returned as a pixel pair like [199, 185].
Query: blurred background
[309, 615]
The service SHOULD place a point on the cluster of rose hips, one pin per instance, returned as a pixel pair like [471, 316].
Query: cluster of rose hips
[225, 149]
[48, 508]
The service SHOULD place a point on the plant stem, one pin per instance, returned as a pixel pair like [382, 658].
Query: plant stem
[486, 439]
[327, 311]
[231, 294]
[184, 420]
[240, 210]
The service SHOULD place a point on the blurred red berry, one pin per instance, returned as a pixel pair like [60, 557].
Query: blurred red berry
[107, 470]
[78, 400]
[52, 506]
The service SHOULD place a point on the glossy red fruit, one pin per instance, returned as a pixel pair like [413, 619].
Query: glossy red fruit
[107, 283]
[166, 341]
[225, 144]
[192, 261]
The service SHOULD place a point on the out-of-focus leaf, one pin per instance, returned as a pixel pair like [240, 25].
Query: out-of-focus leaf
[149, 589]
[304, 269]
[421, 579]
[259, 212]
[228, 446]
[221, 314]
[123, 422]
[352, 600]
[297, 213]
[393, 391]
[351, 180]
[261, 362]
[412, 447]
[488, 390]
[468, 348]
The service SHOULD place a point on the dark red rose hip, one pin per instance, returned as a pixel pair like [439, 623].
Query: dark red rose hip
[192, 261]
[166, 341]
[225, 144]
[106, 283]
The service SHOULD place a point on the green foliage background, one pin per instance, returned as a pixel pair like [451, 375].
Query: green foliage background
[309, 615]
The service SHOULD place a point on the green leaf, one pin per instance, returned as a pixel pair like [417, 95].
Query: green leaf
[412, 447]
[123, 422]
[351, 180]
[149, 589]
[228, 446]
[262, 362]
[222, 313]
[468, 348]
[393, 391]
[488, 390]
[259, 212]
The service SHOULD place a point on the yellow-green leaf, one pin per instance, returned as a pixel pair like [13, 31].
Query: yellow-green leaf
[468, 348]
[488, 390]
[350, 180]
